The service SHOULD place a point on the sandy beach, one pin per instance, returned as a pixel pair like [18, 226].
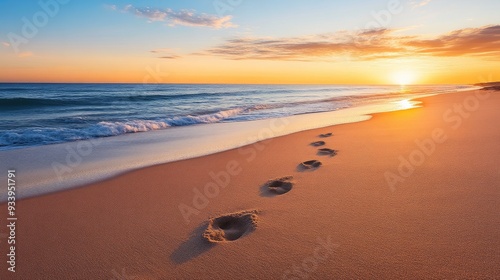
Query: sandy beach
[411, 194]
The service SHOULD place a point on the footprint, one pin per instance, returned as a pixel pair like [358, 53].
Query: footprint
[278, 186]
[325, 135]
[310, 164]
[327, 152]
[318, 143]
[230, 227]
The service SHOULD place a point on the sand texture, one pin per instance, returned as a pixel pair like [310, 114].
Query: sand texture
[411, 194]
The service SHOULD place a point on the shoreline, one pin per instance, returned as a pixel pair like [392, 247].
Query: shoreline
[58, 167]
[440, 221]
[270, 105]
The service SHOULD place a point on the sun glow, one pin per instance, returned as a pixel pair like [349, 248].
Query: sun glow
[405, 104]
[403, 78]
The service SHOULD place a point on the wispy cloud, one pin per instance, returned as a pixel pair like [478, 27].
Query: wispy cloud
[166, 53]
[363, 45]
[163, 50]
[183, 17]
[483, 41]
[366, 45]
[169, 57]
[5, 44]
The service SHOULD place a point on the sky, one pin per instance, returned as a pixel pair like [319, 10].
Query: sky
[250, 41]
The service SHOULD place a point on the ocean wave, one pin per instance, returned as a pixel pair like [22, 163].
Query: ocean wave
[139, 95]
[122, 109]
[43, 136]
[18, 103]
[172, 94]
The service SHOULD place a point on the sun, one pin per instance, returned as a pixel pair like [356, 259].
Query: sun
[404, 78]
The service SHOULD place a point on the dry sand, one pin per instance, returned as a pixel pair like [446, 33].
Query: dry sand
[342, 219]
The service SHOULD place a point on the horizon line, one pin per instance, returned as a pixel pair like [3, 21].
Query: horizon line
[194, 83]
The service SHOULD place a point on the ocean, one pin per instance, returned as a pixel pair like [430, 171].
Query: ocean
[43, 114]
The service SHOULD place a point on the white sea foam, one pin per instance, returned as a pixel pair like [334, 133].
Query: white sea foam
[104, 129]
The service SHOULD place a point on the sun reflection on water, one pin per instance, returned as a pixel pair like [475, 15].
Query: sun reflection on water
[406, 104]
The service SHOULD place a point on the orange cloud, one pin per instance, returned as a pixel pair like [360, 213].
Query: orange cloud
[363, 45]
[484, 41]
[166, 53]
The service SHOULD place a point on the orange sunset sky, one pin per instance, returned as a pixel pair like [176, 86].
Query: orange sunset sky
[359, 42]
